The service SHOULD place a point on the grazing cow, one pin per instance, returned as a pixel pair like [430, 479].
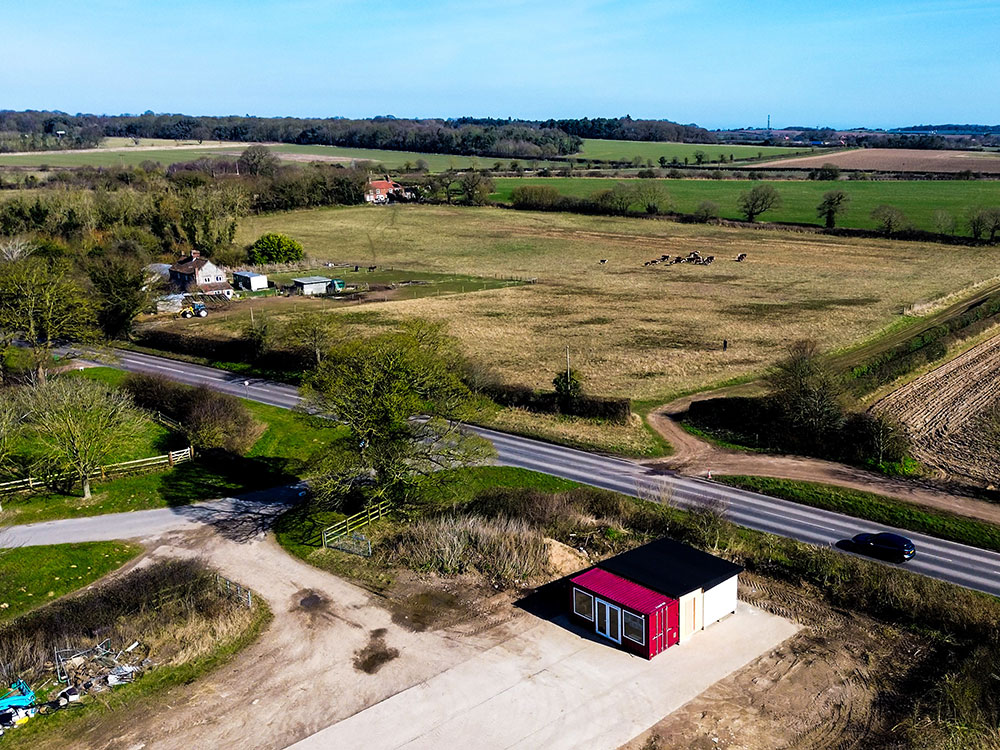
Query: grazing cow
[371, 268]
[603, 261]
[741, 257]
[708, 260]
[664, 257]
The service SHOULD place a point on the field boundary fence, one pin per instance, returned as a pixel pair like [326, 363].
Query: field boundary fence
[331, 535]
[170, 458]
[235, 591]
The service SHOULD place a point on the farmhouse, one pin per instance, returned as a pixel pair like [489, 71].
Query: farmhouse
[309, 285]
[249, 280]
[197, 275]
[389, 191]
[655, 596]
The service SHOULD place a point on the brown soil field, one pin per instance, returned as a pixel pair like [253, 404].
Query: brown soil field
[898, 160]
[642, 332]
[838, 683]
[944, 412]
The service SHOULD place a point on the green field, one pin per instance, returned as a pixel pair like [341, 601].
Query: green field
[594, 148]
[918, 199]
[33, 576]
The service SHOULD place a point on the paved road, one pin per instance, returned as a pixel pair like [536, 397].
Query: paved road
[948, 561]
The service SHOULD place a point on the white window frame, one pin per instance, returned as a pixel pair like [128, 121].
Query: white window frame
[626, 614]
[592, 605]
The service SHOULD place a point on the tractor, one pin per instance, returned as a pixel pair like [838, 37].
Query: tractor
[17, 705]
[195, 310]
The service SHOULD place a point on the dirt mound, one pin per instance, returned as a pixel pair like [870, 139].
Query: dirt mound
[563, 559]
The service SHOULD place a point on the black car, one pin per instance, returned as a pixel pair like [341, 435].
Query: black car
[885, 545]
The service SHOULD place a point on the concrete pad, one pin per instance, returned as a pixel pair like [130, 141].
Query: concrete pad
[552, 687]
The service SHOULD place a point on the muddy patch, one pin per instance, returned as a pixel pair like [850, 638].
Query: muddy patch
[375, 654]
[425, 610]
[311, 602]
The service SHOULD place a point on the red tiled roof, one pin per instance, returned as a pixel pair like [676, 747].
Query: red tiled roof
[383, 185]
[188, 265]
[215, 286]
[620, 591]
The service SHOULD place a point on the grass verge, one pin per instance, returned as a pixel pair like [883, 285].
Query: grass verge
[876, 508]
[33, 576]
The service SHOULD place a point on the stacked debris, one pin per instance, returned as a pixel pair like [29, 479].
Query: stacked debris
[94, 670]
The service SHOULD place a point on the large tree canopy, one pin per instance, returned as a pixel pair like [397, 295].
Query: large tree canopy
[403, 402]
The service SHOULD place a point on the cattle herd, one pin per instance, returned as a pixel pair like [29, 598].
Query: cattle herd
[693, 257]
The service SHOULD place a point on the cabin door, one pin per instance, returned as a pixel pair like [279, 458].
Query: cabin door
[608, 620]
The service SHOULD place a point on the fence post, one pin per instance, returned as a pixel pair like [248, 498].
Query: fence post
[170, 457]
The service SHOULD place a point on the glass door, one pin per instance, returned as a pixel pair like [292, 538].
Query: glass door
[608, 620]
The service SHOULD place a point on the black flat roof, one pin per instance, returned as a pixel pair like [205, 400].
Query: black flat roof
[670, 567]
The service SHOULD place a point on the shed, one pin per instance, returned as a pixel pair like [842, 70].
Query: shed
[312, 285]
[705, 585]
[654, 596]
[638, 619]
[249, 280]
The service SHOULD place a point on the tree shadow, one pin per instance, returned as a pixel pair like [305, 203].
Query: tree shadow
[243, 512]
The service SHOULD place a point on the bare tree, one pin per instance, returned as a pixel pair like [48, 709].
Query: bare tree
[889, 219]
[314, 333]
[80, 423]
[41, 304]
[651, 197]
[944, 222]
[757, 200]
[977, 219]
[710, 520]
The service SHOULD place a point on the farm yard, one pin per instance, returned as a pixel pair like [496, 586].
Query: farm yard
[642, 332]
[917, 199]
[900, 160]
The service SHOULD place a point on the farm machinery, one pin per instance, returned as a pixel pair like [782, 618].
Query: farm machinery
[17, 705]
[195, 310]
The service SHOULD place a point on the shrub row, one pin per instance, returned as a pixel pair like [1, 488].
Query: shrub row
[616, 410]
[927, 346]
[211, 420]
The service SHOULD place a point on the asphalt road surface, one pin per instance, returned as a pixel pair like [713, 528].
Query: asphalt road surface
[957, 563]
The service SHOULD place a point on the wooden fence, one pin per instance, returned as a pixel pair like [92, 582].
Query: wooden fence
[169, 459]
[331, 534]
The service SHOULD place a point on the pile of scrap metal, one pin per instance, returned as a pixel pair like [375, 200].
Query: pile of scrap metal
[96, 669]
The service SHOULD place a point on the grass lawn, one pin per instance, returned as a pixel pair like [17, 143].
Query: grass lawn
[32, 576]
[608, 150]
[918, 199]
[877, 508]
[281, 455]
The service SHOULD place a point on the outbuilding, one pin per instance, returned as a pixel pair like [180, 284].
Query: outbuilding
[251, 281]
[312, 285]
[654, 596]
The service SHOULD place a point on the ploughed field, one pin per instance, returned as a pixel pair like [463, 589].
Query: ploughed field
[946, 413]
[917, 199]
[640, 331]
[901, 160]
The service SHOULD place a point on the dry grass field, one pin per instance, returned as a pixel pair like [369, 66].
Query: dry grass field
[899, 160]
[643, 332]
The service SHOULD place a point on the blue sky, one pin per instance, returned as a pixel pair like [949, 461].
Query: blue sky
[719, 63]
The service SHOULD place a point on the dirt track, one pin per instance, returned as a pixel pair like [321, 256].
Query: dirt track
[943, 411]
[696, 457]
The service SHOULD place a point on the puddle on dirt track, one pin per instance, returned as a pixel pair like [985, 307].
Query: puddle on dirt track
[309, 601]
[375, 654]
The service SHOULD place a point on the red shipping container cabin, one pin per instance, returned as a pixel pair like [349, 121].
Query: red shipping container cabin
[636, 618]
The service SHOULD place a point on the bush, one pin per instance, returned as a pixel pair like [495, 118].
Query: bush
[618, 410]
[505, 550]
[211, 420]
[274, 248]
[706, 211]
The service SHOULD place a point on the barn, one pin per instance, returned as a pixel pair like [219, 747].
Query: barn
[654, 596]
[310, 285]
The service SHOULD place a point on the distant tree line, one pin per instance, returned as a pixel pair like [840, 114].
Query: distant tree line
[627, 129]
[493, 138]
